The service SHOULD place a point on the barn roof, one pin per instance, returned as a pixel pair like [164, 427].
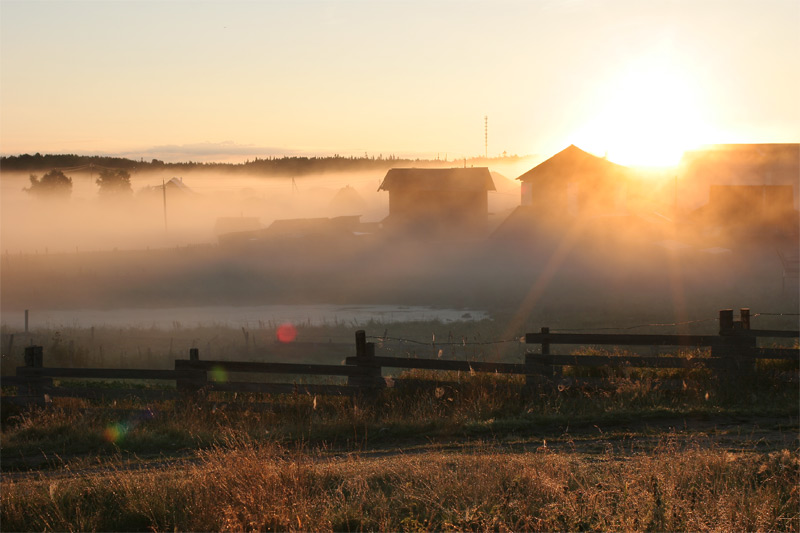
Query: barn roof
[437, 179]
[177, 183]
[572, 161]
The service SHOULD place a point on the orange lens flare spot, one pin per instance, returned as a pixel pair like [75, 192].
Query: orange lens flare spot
[114, 432]
[287, 332]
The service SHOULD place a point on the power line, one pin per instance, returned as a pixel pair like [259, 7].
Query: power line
[448, 343]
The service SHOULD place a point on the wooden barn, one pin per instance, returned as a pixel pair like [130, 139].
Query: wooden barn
[574, 182]
[438, 202]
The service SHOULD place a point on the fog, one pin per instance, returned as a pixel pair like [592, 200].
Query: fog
[528, 269]
[88, 222]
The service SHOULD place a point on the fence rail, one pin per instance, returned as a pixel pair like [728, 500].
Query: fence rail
[733, 351]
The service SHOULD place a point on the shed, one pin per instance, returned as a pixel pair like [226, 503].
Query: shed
[576, 182]
[438, 202]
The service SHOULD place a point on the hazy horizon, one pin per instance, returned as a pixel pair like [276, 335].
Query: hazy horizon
[228, 81]
[637, 83]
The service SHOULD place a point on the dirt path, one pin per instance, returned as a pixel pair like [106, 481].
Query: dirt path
[731, 434]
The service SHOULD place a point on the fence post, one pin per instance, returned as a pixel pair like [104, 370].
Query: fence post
[368, 375]
[196, 380]
[557, 371]
[32, 390]
[744, 355]
[534, 370]
[34, 356]
[734, 344]
[726, 321]
[723, 348]
[744, 312]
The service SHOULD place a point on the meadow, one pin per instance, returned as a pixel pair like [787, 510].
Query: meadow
[478, 452]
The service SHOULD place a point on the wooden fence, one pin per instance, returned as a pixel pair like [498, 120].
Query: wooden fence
[733, 352]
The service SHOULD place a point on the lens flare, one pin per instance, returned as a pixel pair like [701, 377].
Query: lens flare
[114, 433]
[218, 374]
[287, 332]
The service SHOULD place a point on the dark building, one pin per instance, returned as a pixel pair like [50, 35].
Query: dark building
[439, 202]
[574, 182]
[750, 213]
[738, 164]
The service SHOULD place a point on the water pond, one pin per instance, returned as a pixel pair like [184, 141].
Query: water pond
[238, 316]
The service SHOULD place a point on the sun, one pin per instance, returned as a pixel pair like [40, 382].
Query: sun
[647, 117]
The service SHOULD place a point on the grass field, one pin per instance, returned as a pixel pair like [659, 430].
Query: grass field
[247, 486]
[476, 452]
[482, 454]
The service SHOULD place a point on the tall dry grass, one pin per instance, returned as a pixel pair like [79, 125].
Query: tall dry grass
[249, 486]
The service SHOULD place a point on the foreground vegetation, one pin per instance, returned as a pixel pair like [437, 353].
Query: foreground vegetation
[478, 455]
[263, 486]
[471, 451]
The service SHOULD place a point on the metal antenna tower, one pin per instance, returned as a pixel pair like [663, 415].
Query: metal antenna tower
[486, 136]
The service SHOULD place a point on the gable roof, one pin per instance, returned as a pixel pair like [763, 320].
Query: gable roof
[438, 179]
[177, 184]
[571, 161]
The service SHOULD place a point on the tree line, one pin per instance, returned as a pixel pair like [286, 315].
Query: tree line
[269, 166]
[56, 184]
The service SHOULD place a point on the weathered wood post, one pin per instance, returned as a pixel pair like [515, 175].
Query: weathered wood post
[193, 379]
[532, 375]
[34, 356]
[723, 348]
[557, 371]
[735, 344]
[535, 370]
[368, 375]
[744, 313]
[725, 321]
[745, 344]
[32, 390]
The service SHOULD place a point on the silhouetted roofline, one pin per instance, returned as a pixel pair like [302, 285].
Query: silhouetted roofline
[435, 179]
[572, 160]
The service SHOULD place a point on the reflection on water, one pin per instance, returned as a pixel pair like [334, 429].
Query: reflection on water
[250, 316]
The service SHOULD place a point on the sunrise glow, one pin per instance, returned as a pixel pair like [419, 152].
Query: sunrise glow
[648, 116]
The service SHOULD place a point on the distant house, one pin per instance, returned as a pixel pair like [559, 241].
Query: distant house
[347, 201]
[302, 231]
[304, 228]
[438, 202]
[750, 212]
[575, 182]
[225, 225]
[177, 185]
[174, 188]
[738, 164]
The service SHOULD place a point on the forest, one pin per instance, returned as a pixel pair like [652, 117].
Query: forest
[270, 166]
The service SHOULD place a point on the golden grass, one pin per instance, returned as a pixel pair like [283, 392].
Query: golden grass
[248, 486]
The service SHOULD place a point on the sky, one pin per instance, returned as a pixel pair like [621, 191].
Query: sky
[638, 81]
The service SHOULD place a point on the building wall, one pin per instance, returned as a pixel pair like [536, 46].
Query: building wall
[576, 196]
[439, 214]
